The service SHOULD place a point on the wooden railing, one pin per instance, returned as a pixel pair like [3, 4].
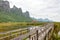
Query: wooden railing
[35, 33]
[12, 34]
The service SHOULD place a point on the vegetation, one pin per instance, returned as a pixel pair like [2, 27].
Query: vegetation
[56, 30]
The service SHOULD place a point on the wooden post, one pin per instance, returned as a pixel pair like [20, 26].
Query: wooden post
[35, 37]
[37, 34]
[45, 38]
[29, 37]
[32, 38]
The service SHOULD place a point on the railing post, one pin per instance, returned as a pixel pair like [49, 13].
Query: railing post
[37, 34]
[45, 38]
[32, 38]
[29, 37]
[35, 37]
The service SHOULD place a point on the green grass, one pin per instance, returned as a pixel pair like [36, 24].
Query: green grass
[16, 25]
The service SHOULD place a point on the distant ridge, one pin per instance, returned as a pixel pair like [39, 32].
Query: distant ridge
[44, 20]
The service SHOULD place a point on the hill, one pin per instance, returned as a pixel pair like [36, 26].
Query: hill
[14, 15]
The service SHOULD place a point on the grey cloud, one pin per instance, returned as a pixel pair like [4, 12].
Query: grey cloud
[40, 8]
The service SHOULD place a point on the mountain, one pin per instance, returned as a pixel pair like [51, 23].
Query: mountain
[15, 15]
[44, 20]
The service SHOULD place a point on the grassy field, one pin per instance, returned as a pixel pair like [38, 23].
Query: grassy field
[16, 25]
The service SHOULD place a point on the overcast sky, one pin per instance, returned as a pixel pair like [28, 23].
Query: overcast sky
[40, 8]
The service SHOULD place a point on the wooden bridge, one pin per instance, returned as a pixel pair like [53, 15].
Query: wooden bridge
[40, 33]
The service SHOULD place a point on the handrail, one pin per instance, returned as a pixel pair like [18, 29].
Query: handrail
[10, 33]
[47, 28]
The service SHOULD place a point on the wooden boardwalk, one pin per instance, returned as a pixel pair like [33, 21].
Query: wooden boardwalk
[39, 33]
